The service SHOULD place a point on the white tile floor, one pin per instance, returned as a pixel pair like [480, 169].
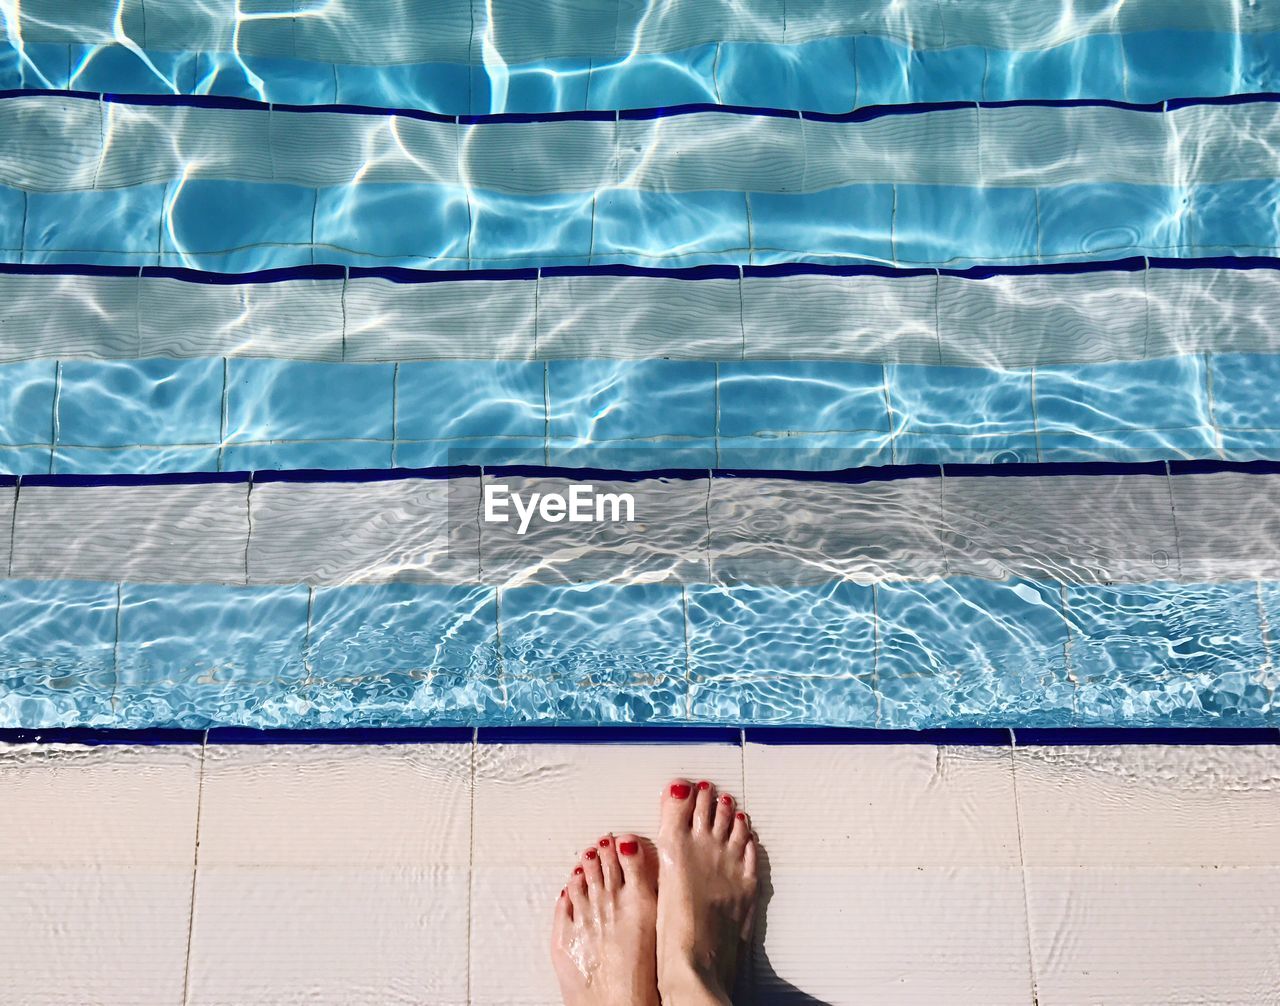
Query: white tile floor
[426, 873]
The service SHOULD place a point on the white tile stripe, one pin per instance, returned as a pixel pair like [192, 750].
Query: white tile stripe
[1020, 320]
[1076, 528]
[60, 144]
[523, 31]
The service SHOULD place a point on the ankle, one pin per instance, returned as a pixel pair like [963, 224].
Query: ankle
[683, 983]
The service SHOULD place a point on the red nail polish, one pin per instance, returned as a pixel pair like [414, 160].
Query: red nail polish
[740, 816]
[704, 785]
[604, 843]
[591, 853]
[727, 800]
[628, 848]
[562, 892]
[680, 791]
[577, 871]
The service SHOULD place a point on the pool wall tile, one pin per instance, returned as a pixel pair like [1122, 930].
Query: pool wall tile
[476, 398]
[470, 451]
[756, 74]
[1171, 63]
[1130, 445]
[1243, 390]
[684, 228]
[603, 400]
[233, 226]
[667, 541]
[1232, 218]
[274, 400]
[805, 452]
[389, 222]
[25, 460]
[67, 316]
[856, 221]
[1109, 397]
[1214, 311]
[934, 224]
[791, 699]
[509, 231]
[944, 400]
[1080, 68]
[884, 529]
[133, 460]
[147, 534]
[1106, 220]
[784, 397]
[333, 455]
[950, 449]
[1225, 524]
[27, 393]
[140, 402]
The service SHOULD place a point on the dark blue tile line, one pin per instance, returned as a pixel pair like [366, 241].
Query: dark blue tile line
[8, 480]
[865, 114]
[399, 274]
[658, 734]
[849, 476]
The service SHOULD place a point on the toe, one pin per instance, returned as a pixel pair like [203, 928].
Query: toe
[609, 868]
[749, 856]
[677, 806]
[741, 832]
[704, 810]
[638, 866]
[576, 890]
[563, 916]
[724, 817]
[591, 871]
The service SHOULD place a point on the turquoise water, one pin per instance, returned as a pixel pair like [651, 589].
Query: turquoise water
[89, 183]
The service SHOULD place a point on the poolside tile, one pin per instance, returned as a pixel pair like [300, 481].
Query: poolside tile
[669, 229]
[274, 400]
[1110, 220]
[234, 226]
[386, 224]
[604, 400]
[788, 396]
[795, 700]
[934, 225]
[442, 400]
[26, 402]
[853, 222]
[945, 400]
[1106, 398]
[122, 226]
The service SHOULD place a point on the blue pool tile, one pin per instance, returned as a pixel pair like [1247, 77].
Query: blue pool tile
[117, 226]
[1234, 218]
[1165, 652]
[852, 222]
[818, 76]
[10, 69]
[767, 631]
[433, 87]
[796, 395]
[955, 449]
[1259, 62]
[972, 651]
[26, 402]
[549, 84]
[57, 649]
[1130, 445]
[1089, 67]
[805, 452]
[46, 65]
[1173, 64]
[116, 70]
[1244, 390]
[825, 700]
[594, 636]
[134, 460]
[333, 455]
[882, 66]
[266, 78]
[404, 632]
[1115, 219]
[632, 455]
[235, 226]
[959, 224]
[392, 224]
[122, 403]
[530, 701]
[195, 655]
[954, 74]
[13, 213]
[470, 451]
[271, 400]
[600, 400]
[440, 400]
[668, 228]
[641, 80]
[25, 460]
[519, 231]
[1251, 445]
[931, 399]
[1165, 394]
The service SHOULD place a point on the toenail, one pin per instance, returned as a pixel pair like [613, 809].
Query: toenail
[577, 870]
[727, 800]
[680, 791]
[591, 853]
[562, 892]
[740, 816]
[704, 785]
[604, 843]
[628, 848]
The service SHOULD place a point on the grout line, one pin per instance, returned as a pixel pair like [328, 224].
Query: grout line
[248, 537]
[395, 409]
[715, 391]
[115, 648]
[1173, 512]
[195, 870]
[222, 424]
[54, 419]
[546, 412]
[706, 513]
[342, 304]
[13, 527]
[742, 314]
[1022, 868]
[1035, 417]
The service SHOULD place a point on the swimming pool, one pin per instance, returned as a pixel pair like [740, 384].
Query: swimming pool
[937, 349]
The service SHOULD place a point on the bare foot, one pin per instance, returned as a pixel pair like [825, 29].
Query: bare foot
[706, 893]
[603, 938]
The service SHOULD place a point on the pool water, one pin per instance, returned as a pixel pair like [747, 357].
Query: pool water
[730, 237]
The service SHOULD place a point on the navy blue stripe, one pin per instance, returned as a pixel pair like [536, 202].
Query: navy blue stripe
[609, 734]
[1039, 736]
[1183, 466]
[343, 735]
[1134, 264]
[583, 474]
[659, 734]
[396, 274]
[987, 736]
[847, 476]
[51, 269]
[8, 480]
[366, 474]
[1217, 262]
[816, 269]
[67, 480]
[689, 273]
[314, 272]
[866, 114]
[1054, 468]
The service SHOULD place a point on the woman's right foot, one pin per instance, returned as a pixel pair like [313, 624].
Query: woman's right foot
[706, 893]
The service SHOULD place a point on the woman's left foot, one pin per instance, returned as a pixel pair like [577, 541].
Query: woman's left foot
[604, 938]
